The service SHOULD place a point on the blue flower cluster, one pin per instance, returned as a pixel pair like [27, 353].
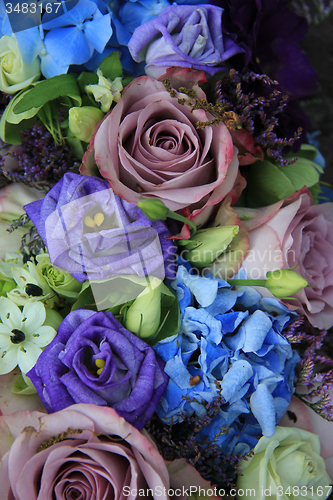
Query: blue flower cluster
[231, 337]
[84, 35]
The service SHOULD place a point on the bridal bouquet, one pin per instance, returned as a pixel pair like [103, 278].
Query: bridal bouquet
[166, 260]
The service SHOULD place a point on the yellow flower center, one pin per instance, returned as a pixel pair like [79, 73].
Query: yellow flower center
[7, 62]
[100, 363]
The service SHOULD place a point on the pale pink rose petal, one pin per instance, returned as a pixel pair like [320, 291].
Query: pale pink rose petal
[148, 145]
[11, 402]
[298, 235]
[186, 77]
[85, 448]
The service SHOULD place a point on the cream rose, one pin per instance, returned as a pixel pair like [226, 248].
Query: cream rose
[14, 73]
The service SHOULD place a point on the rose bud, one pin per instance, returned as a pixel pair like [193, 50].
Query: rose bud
[83, 121]
[284, 283]
[207, 244]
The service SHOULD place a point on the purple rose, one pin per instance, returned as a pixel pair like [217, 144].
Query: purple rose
[188, 36]
[94, 359]
[92, 233]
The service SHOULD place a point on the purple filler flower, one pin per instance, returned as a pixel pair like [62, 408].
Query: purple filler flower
[94, 359]
[189, 36]
[92, 233]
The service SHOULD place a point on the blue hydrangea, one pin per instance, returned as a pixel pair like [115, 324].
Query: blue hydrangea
[231, 337]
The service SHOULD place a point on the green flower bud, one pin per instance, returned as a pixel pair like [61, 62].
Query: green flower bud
[284, 283]
[6, 285]
[153, 209]
[207, 244]
[53, 318]
[58, 280]
[144, 315]
[82, 121]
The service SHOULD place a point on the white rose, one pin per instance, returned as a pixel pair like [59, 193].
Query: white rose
[14, 73]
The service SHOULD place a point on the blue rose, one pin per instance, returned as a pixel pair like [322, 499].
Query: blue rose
[188, 36]
[233, 338]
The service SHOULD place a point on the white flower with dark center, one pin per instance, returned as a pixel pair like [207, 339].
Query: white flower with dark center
[31, 287]
[22, 335]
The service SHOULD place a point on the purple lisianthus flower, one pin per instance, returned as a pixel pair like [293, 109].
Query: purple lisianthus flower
[94, 234]
[188, 36]
[94, 359]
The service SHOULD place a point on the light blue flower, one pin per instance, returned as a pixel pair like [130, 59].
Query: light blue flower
[73, 37]
[136, 12]
[230, 337]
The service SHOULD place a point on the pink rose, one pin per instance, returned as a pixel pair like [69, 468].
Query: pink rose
[305, 418]
[149, 145]
[295, 233]
[83, 452]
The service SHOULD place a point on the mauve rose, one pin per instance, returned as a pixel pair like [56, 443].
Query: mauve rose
[188, 36]
[149, 146]
[94, 359]
[83, 452]
[91, 233]
[297, 233]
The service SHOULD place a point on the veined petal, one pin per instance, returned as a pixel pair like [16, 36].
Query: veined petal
[5, 329]
[10, 314]
[35, 315]
[4, 340]
[43, 336]
[8, 360]
[68, 46]
[27, 355]
[98, 32]
[22, 277]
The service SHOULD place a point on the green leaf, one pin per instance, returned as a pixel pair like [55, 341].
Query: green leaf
[86, 79]
[307, 151]
[14, 118]
[302, 173]
[47, 90]
[127, 80]
[11, 133]
[268, 184]
[85, 299]
[111, 66]
[170, 316]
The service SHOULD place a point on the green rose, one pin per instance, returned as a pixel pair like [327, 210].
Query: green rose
[59, 281]
[14, 73]
[285, 466]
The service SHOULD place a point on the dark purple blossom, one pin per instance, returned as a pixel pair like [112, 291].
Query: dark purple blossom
[94, 359]
[94, 234]
[270, 34]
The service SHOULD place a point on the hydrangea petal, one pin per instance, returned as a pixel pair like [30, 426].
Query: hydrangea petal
[262, 407]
